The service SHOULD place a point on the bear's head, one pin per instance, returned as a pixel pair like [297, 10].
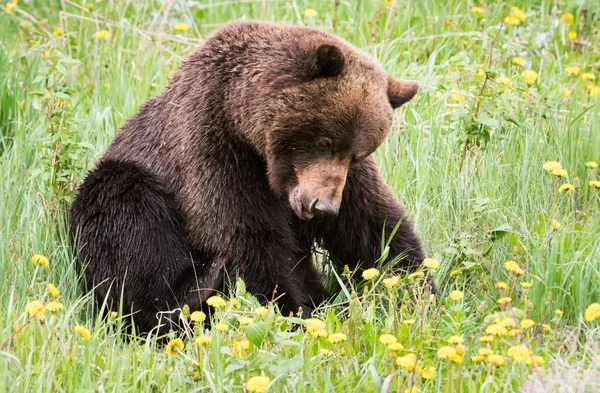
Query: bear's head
[332, 108]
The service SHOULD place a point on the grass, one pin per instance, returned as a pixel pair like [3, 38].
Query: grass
[63, 97]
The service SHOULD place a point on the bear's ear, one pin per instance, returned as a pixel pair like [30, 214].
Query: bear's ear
[400, 92]
[329, 61]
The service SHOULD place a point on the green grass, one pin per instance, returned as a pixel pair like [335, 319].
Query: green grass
[63, 98]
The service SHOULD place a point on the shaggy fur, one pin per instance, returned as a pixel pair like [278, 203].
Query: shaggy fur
[258, 148]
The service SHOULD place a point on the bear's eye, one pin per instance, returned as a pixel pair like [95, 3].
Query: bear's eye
[325, 145]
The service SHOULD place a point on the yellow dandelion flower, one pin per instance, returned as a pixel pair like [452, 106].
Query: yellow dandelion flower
[572, 35]
[501, 285]
[566, 187]
[485, 352]
[412, 389]
[456, 340]
[370, 274]
[567, 17]
[180, 26]
[396, 347]
[496, 330]
[486, 339]
[511, 20]
[314, 324]
[336, 338]
[506, 322]
[428, 373]
[235, 303]
[198, 316]
[102, 34]
[460, 349]
[504, 80]
[573, 70]
[538, 360]
[589, 76]
[408, 322]
[387, 339]
[594, 183]
[240, 347]
[513, 267]
[52, 290]
[446, 352]
[566, 92]
[456, 97]
[204, 340]
[555, 224]
[57, 31]
[496, 359]
[9, 8]
[54, 306]
[83, 332]
[431, 263]
[258, 384]
[477, 359]
[519, 61]
[518, 13]
[325, 352]
[552, 166]
[311, 13]
[547, 328]
[504, 300]
[456, 295]
[244, 321]
[40, 260]
[476, 10]
[513, 332]
[560, 172]
[519, 353]
[526, 285]
[592, 312]
[455, 273]
[527, 324]
[407, 361]
[35, 307]
[591, 164]
[558, 313]
[414, 275]
[216, 301]
[261, 311]
[222, 326]
[391, 282]
[530, 76]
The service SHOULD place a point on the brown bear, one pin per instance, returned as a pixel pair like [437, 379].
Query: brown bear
[259, 148]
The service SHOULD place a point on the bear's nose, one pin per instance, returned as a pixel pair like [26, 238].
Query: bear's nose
[323, 208]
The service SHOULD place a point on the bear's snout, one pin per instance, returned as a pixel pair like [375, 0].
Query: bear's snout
[323, 208]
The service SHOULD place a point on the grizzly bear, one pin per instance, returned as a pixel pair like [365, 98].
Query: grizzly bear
[259, 148]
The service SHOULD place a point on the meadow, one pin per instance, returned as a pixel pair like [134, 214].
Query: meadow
[495, 160]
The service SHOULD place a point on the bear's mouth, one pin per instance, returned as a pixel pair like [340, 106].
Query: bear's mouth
[298, 207]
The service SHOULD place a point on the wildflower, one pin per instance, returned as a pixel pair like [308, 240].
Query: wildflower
[566, 92]
[52, 290]
[518, 13]
[555, 224]
[35, 307]
[396, 347]
[558, 313]
[456, 295]
[552, 165]
[592, 312]
[511, 20]
[572, 35]
[39, 260]
[387, 339]
[102, 34]
[239, 347]
[513, 267]
[513, 332]
[235, 303]
[311, 12]
[486, 339]
[519, 353]
[216, 301]
[501, 285]
[428, 373]
[566, 187]
[325, 352]
[391, 282]
[244, 321]
[530, 76]
[573, 70]
[57, 31]
[86, 335]
[477, 359]
[412, 389]
[496, 330]
[476, 10]
[54, 306]
[519, 61]
[431, 263]
[589, 76]
[496, 359]
[457, 97]
[336, 338]
[547, 328]
[591, 164]
[180, 26]
[506, 322]
[106, 85]
[526, 285]
[527, 324]
[594, 183]
[414, 275]
[560, 173]
[222, 326]
[198, 316]
[370, 274]
[456, 340]
[567, 17]
[503, 80]
[504, 300]
[446, 352]
[9, 8]
[261, 311]
[407, 361]
[455, 273]
[485, 352]
[204, 340]
[408, 322]
[258, 384]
